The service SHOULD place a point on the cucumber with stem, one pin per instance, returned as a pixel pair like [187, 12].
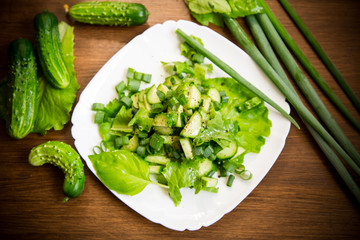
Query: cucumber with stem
[49, 50]
[109, 13]
[23, 89]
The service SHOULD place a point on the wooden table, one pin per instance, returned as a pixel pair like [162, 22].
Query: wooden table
[302, 197]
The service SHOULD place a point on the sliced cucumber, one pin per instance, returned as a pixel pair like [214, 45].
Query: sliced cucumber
[239, 151]
[158, 159]
[194, 97]
[206, 101]
[170, 139]
[187, 148]
[163, 130]
[133, 144]
[214, 95]
[163, 88]
[228, 152]
[205, 118]
[152, 96]
[156, 169]
[143, 103]
[160, 120]
[209, 182]
[205, 167]
[135, 100]
[179, 121]
[193, 126]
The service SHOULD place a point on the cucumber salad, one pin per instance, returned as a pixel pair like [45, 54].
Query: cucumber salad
[188, 131]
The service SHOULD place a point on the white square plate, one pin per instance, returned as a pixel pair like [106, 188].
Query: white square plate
[144, 53]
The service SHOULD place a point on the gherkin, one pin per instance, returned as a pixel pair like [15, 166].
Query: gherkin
[64, 157]
[109, 13]
[23, 89]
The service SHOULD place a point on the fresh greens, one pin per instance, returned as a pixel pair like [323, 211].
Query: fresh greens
[54, 104]
[181, 175]
[277, 75]
[181, 131]
[121, 171]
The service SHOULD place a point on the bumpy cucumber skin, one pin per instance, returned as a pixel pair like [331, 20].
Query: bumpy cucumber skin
[109, 13]
[23, 89]
[49, 50]
[64, 157]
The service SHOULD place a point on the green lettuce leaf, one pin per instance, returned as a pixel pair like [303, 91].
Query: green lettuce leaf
[211, 11]
[180, 175]
[122, 171]
[122, 120]
[254, 123]
[142, 120]
[243, 8]
[209, 6]
[214, 131]
[55, 104]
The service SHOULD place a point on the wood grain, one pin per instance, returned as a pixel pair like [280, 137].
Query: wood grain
[302, 197]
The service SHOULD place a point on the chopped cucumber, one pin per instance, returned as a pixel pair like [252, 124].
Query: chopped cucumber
[193, 126]
[170, 139]
[209, 182]
[239, 151]
[163, 88]
[214, 95]
[151, 95]
[228, 152]
[156, 169]
[187, 148]
[205, 167]
[206, 102]
[158, 159]
[135, 100]
[163, 130]
[160, 120]
[133, 144]
[194, 97]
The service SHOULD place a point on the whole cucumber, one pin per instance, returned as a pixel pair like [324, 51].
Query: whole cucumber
[23, 89]
[49, 50]
[109, 13]
[67, 159]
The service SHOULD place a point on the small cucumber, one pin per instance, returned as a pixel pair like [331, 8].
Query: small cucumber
[67, 159]
[23, 89]
[109, 13]
[49, 50]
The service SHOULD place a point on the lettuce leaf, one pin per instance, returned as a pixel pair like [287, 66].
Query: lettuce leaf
[122, 120]
[55, 104]
[243, 8]
[180, 175]
[142, 120]
[254, 123]
[121, 171]
[214, 131]
[211, 11]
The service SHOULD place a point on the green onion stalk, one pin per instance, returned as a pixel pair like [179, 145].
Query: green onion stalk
[305, 86]
[310, 68]
[267, 51]
[255, 54]
[289, 94]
